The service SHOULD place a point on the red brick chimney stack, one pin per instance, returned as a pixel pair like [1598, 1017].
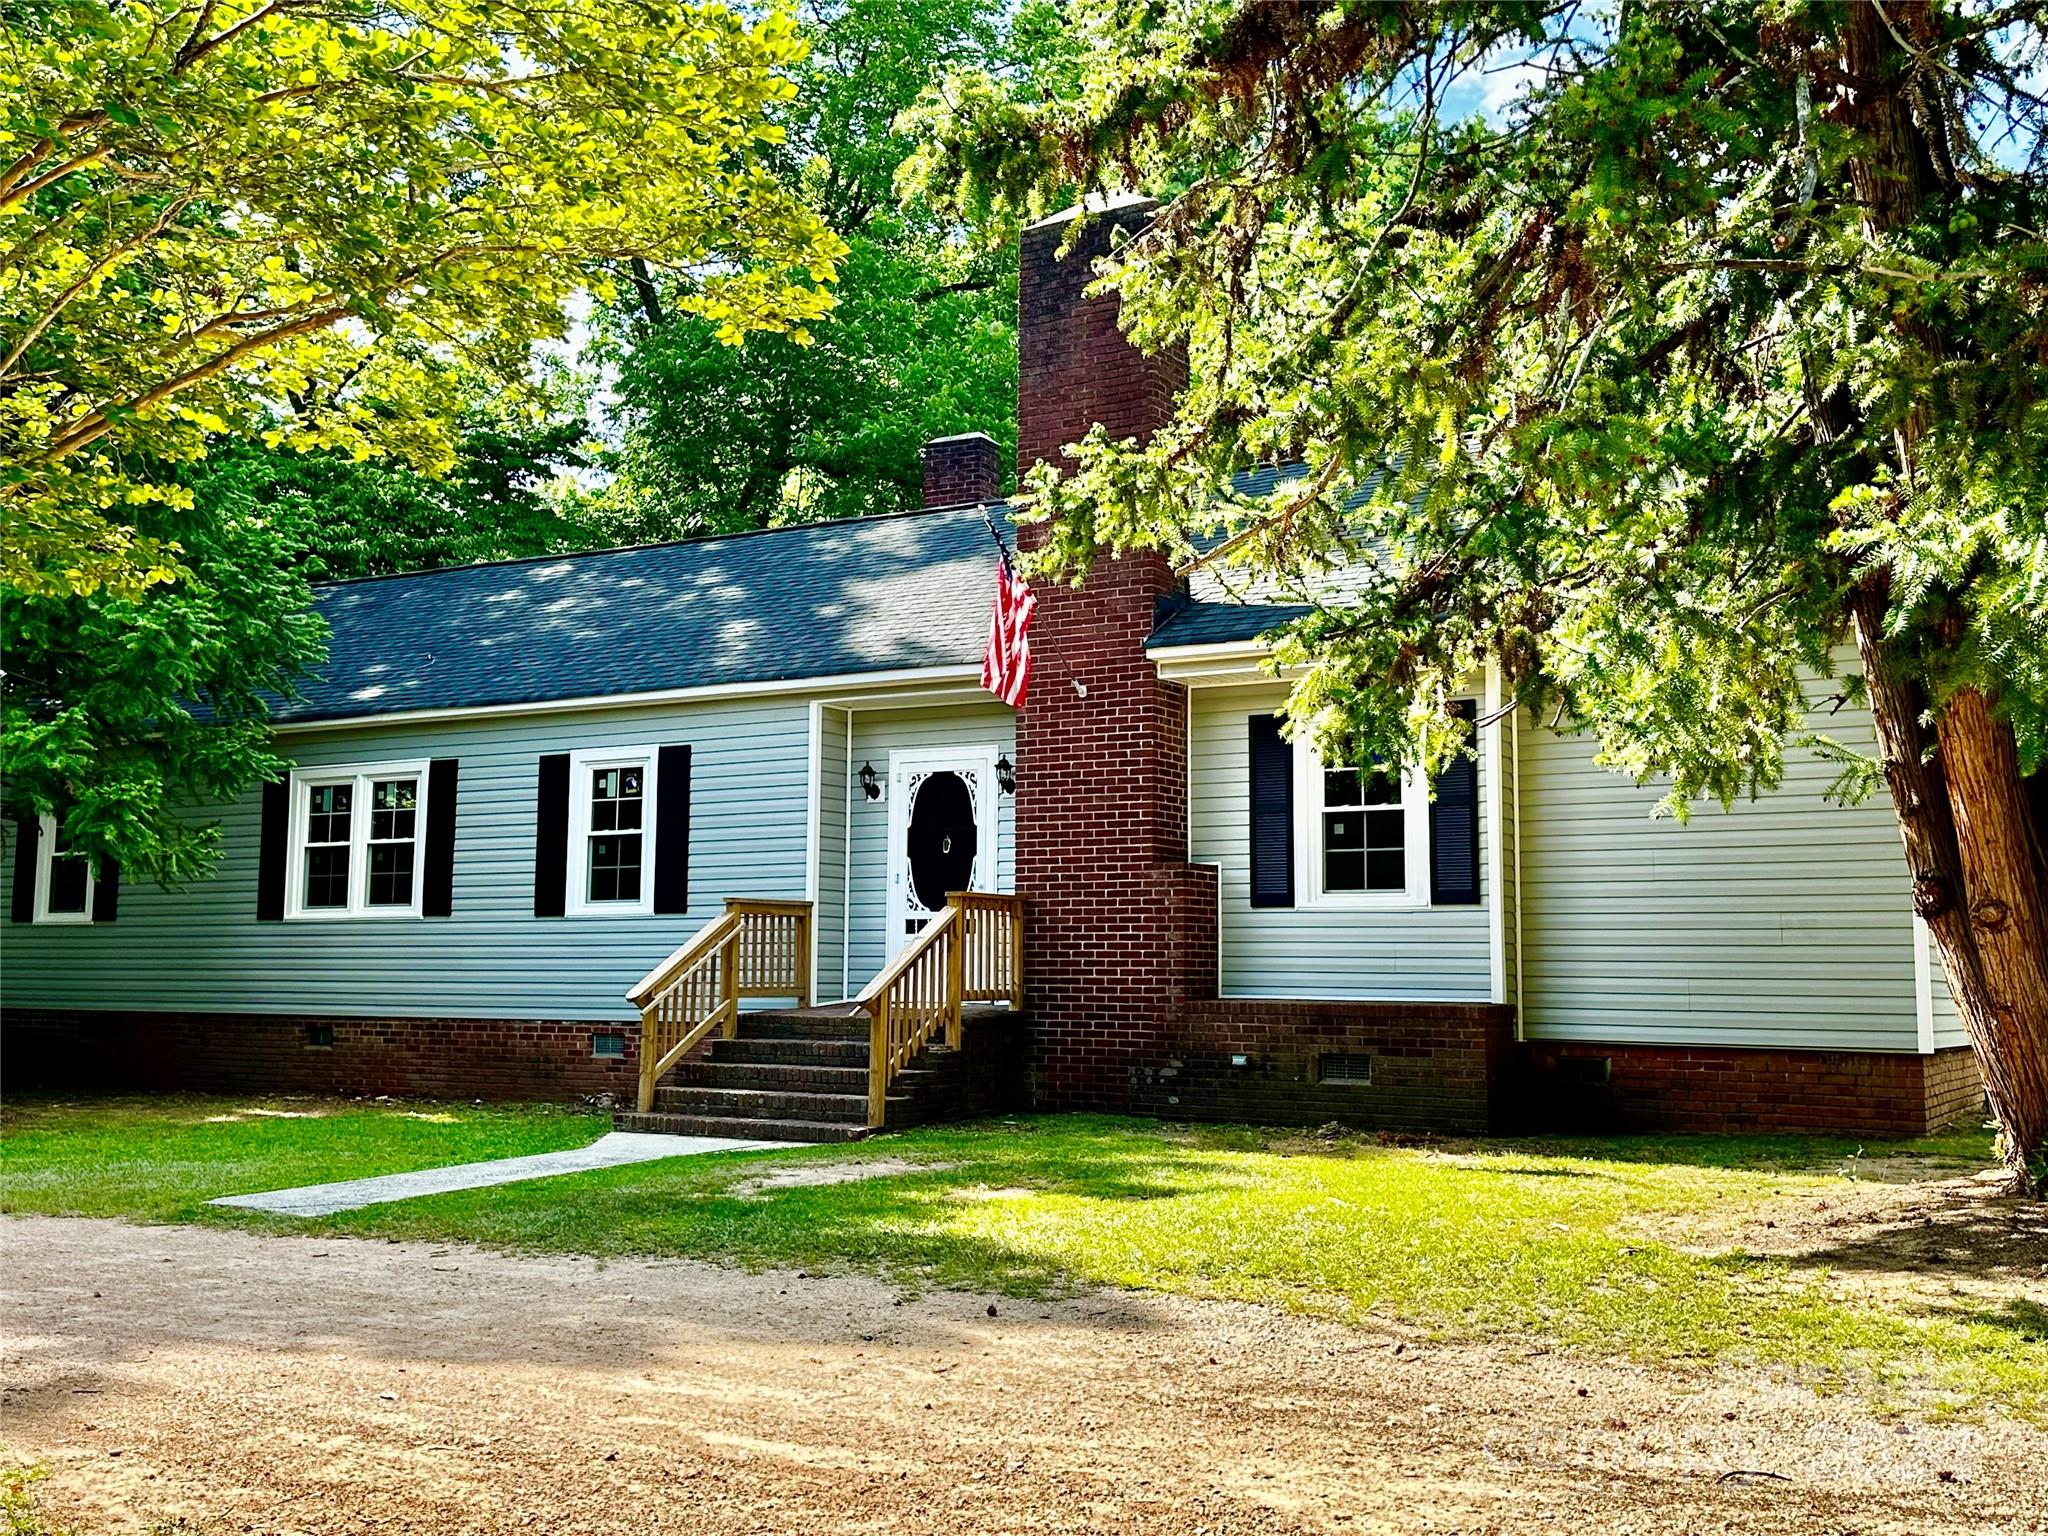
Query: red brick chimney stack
[962, 471]
[1119, 925]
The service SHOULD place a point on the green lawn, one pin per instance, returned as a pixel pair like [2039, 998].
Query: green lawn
[161, 1159]
[1571, 1243]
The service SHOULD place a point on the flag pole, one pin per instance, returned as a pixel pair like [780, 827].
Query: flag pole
[995, 533]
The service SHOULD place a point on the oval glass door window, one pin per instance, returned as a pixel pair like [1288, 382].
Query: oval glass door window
[942, 839]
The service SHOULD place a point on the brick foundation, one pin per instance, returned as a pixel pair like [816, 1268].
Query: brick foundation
[1955, 1087]
[1563, 1086]
[1411, 1066]
[537, 1060]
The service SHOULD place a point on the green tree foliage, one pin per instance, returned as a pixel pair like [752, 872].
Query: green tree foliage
[1717, 344]
[345, 517]
[329, 224]
[923, 340]
[121, 712]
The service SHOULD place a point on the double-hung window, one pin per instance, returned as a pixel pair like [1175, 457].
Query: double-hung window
[354, 849]
[611, 830]
[64, 877]
[1366, 833]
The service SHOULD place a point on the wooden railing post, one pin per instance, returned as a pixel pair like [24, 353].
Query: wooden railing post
[803, 958]
[878, 1062]
[650, 1054]
[956, 964]
[729, 983]
[1017, 954]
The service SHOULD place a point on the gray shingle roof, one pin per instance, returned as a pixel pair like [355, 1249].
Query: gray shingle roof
[868, 595]
[1217, 623]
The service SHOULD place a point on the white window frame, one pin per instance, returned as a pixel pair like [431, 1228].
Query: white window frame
[362, 775]
[581, 765]
[46, 853]
[1308, 841]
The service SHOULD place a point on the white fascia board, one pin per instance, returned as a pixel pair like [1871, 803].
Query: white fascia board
[908, 681]
[1225, 661]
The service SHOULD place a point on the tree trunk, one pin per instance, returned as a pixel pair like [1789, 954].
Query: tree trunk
[1935, 819]
[1969, 842]
[2008, 917]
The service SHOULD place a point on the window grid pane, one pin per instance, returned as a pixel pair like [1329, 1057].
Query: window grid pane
[329, 815]
[390, 875]
[1365, 832]
[69, 878]
[615, 867]
[617, 803]
[394, 816]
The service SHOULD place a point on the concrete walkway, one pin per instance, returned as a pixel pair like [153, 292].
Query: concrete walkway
[608, 1151]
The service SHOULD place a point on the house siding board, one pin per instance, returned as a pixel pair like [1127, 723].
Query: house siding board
[830, 981]
[877, 733]
[1783, 922]
[1948, 1024]
[1429, 954]
[204, 947]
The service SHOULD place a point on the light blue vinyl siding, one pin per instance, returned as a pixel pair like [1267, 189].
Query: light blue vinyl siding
[830, 980]
[1948, 1024]
[1440, 953]
[877, 733]
[204, 949]
[1783, 922]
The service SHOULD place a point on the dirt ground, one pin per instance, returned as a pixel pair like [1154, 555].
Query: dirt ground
[246, 1384]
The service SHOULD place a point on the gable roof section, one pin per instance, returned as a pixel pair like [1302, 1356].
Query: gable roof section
[877, 594]
[1243, 613]
[1225, 623]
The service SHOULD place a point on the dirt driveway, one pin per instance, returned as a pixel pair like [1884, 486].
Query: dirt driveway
[278, 1384]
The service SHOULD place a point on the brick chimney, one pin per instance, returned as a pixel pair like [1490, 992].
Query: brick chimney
[962, 471]
[1120, 927]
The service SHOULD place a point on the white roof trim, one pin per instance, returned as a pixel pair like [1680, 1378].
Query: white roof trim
[907, 680]
[1217, 661]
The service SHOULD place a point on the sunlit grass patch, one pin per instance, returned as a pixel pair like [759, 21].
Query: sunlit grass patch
[161, 1159]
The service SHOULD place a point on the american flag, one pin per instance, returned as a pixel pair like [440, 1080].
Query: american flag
[1006, 668]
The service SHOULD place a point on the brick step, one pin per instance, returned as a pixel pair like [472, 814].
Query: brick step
[794, 1077]
[767, 1104]
[804, 1024]
[793, 1053]
[739, 1127]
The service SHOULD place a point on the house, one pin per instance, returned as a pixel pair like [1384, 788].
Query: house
[520, 787]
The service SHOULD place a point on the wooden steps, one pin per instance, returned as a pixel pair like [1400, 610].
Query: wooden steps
[801, 1074]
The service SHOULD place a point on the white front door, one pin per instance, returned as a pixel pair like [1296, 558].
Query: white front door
[942, 831]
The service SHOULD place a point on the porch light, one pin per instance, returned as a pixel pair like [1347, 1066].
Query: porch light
[870, 785]
[1006, 775]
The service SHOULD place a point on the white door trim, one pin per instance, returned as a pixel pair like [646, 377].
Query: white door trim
[903, 763]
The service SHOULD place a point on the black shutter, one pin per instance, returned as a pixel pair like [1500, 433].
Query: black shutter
[672, 831]
[1454, 828]
[106, 892]
[1272, 776]
[28, 831]
[551, 837]
[277, 813]
[437, 877]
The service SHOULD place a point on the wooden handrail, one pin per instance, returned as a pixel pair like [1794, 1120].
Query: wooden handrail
[973, 951]
[755, 948]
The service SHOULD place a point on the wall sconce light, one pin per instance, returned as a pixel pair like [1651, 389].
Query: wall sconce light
[1006, 776]
[870, 785]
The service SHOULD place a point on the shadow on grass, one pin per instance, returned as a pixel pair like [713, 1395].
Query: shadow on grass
[1956, 1229]
[2026, 1319]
